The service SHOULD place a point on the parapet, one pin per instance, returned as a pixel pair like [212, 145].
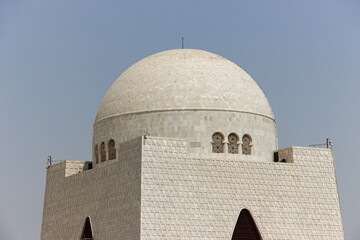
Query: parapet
[298, 154]
[74, 167]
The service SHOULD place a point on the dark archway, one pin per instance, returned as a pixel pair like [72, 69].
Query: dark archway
[112, 150]
[87, 230]
[102, 152]
[245, 228]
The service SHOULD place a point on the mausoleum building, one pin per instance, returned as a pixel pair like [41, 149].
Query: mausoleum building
[185, 147]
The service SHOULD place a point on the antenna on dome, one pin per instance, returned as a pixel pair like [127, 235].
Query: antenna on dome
[182, 42]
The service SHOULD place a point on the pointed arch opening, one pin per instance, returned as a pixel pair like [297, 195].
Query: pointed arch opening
[87, 230]
[245, 228]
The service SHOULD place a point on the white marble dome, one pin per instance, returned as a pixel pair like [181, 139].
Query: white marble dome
[184, 79]
[187, 94]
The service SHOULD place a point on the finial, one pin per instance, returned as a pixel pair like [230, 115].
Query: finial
[182, 43]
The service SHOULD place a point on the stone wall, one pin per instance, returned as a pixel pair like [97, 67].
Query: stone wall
[201, 198]
[195, 126]
[156, 190]
[286, 154]
[109, 194]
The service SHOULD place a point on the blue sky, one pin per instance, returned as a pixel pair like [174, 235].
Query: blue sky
[58, 58]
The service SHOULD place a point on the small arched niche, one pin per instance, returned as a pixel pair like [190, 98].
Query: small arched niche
[245, 228]
[246, 144]
[233, 143]
[112, 150]
[218, 142]
[102, 152]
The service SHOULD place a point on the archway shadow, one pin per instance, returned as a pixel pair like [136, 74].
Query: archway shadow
[245, 228]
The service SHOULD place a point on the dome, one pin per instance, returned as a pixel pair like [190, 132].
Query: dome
[191, 95]
[184, 79]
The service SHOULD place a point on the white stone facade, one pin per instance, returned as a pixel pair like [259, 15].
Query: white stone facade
[110, 195]
[186, 93]
[183, 141]
[195, 126]
[184, 79]
[156, 190]
[201, 198]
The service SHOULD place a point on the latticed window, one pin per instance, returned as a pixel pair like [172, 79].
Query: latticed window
[246, 144]
[96, 154]
[233, 145]
[112, 150]
[103, 152]
[217, 143]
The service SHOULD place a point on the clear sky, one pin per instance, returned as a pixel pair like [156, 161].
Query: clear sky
[58, 58]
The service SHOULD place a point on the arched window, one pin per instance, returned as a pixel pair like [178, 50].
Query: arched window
[233, 144]
[111, 149]
[96, 154]
[217, 143]
[246, 144]
[102, 152]
[245, 228]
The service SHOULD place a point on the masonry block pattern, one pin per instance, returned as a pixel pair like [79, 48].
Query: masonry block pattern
[190, 94]
[156, 190]
[197, 127]
[109, 195]
[167, 181]
[201, 198]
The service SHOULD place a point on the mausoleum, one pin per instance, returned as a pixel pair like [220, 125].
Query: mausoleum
[185, 147]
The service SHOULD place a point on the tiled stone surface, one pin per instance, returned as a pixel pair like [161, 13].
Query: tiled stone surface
[195, 126]
[186, 93]
[198, 198]
[156, 190]
[184, 79]
[109, 194]
[74, 167]
[287, 154]
[170, 185]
